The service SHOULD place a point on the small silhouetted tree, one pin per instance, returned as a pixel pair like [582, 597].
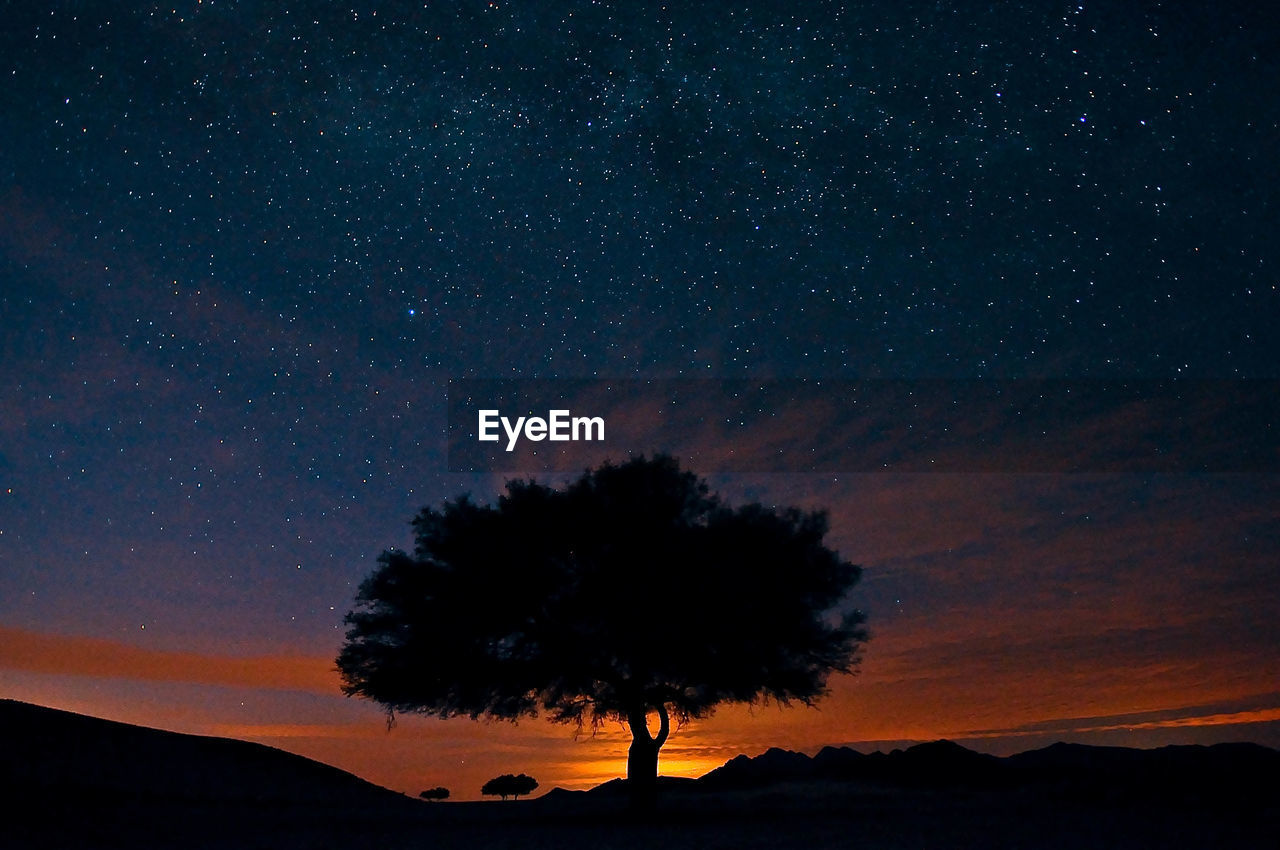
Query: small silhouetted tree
[506, 785]
[437, 793]
[632, 591]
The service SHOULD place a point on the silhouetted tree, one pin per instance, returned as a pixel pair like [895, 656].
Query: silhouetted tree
[437, 793]
[506, 785]
[632, 591]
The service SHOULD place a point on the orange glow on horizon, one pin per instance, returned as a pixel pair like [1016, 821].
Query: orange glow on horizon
[38, 652]
[912, 687]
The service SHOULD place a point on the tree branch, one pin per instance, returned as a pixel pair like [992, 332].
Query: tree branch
[637, 719]
[664, 725]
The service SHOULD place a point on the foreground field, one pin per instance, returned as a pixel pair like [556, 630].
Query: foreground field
[789, 817]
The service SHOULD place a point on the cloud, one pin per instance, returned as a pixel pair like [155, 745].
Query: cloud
[1259, 708]
[36, 652]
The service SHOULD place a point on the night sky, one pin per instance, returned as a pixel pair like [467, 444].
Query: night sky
[244, 248]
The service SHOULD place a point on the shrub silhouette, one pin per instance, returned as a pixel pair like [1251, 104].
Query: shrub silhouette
[631, 592]
[507, 785]
[437, 793]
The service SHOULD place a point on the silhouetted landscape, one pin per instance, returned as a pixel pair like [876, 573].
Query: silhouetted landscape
[85, 782]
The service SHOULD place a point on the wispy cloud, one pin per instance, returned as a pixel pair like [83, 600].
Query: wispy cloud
[36, 652]
[1259, 708]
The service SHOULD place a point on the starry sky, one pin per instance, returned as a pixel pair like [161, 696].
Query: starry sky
[245, 247]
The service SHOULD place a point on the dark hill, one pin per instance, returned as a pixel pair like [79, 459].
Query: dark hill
[1223, 772]
[776, 765]
[50, 753]
[934, 763]
[619, 788]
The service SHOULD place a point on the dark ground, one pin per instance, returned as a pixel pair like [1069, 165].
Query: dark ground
[800, 816]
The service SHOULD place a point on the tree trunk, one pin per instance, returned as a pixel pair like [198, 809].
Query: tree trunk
[642, 757]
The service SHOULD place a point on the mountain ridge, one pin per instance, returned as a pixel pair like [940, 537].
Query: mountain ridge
[1216, 770]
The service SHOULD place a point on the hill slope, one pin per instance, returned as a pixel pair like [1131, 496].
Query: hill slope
[49, 753]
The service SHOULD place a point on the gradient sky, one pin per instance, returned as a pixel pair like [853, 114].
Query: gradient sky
[244, 248]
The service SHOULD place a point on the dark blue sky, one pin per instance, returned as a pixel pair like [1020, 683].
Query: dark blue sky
[244, 246]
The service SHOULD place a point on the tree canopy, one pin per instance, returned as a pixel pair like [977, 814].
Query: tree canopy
[507, 785]
[631, 590]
